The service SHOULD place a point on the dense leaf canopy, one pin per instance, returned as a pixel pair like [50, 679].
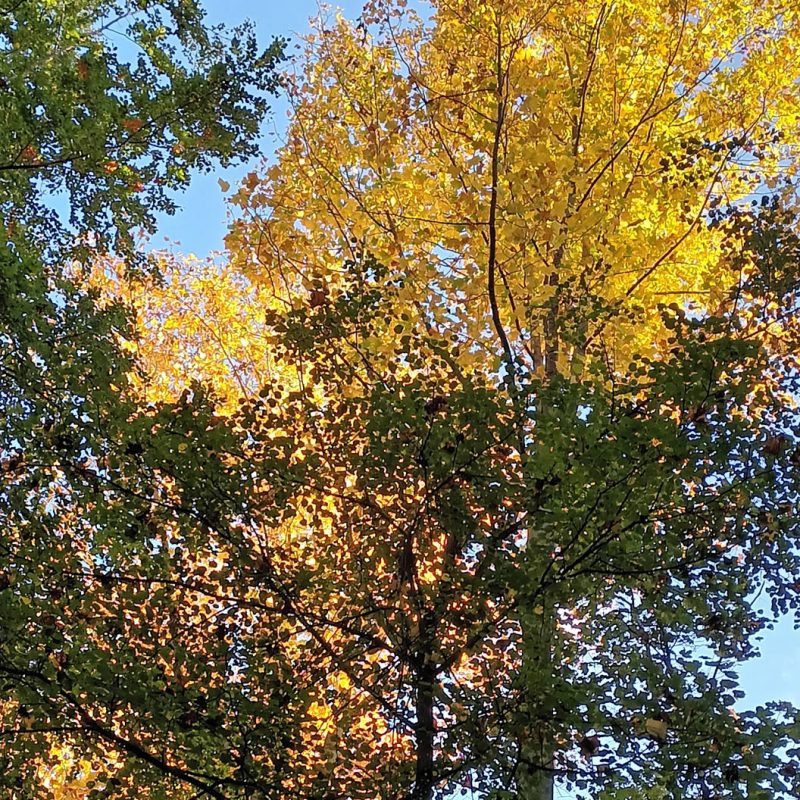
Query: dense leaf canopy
[468, 471]
[106, 108]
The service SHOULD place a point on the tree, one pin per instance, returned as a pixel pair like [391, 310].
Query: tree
[532, 160]
[452, 512]
[108, 139]
[400, 543]
[117, 136]
[537, 178]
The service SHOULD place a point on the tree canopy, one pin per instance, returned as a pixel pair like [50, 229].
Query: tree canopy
[547, 162]
[107, 108]
[465, 471]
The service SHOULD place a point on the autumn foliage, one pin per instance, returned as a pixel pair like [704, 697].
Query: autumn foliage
[462, 470]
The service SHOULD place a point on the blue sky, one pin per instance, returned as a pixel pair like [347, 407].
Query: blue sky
[199, 228]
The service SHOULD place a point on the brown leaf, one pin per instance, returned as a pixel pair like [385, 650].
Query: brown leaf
[435, 404]
[317, 298]
[656, 728]
[589, 745]
[774, 445]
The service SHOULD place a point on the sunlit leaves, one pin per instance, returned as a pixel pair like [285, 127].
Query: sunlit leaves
[614, 141]
[463, 471]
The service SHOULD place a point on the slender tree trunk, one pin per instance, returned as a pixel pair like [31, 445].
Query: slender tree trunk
[425, 732]
[535, 779]
[532, 783]
[536, 786]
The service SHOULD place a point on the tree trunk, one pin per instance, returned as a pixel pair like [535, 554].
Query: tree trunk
[535, 786]
[535, 780]
[425, 732]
